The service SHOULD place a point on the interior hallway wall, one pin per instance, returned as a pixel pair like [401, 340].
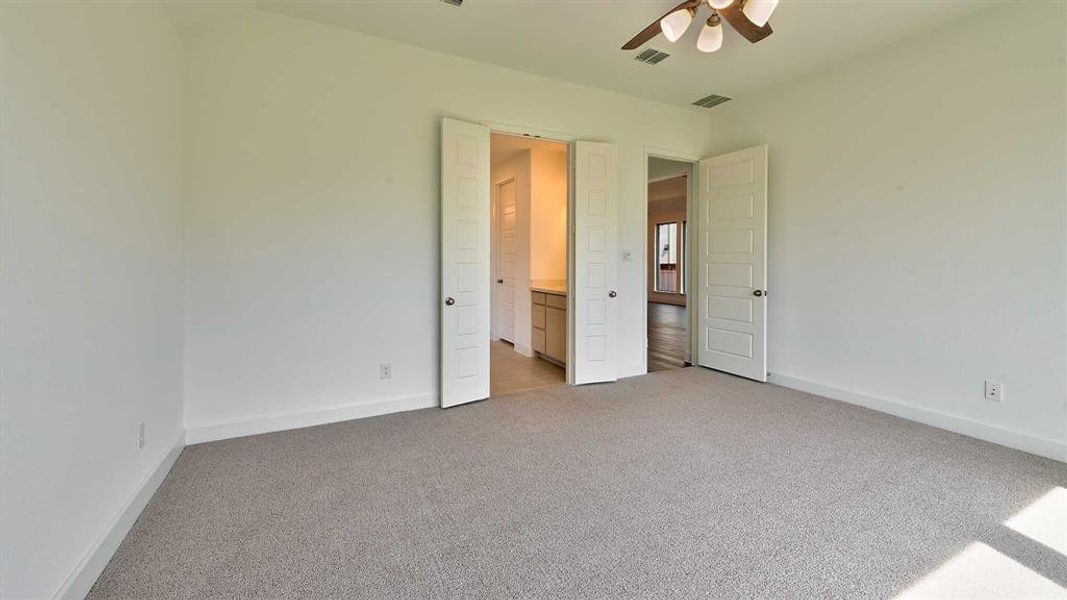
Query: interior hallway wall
[917, 224]
[91, 294]
[548, 214]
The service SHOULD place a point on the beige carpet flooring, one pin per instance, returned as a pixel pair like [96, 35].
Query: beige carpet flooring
[680, 484]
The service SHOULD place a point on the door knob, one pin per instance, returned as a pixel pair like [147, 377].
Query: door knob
[449, 301]
[759, 293]
[500, 281]
[612, 294]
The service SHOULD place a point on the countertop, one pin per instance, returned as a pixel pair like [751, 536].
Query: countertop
[549, 289]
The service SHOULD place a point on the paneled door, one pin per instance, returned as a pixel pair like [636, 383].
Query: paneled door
[505, 324]
[593, 294]
[464, 301]
[732, 263]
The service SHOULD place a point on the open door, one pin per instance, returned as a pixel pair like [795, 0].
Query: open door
[465, 249]
[594, 234]
[732, 263]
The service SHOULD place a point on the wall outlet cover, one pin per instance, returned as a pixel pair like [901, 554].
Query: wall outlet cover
[994, 391]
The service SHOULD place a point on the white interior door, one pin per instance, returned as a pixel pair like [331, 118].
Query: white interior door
[465, 309]
[732, 263]
[508, 246]
[591, 350]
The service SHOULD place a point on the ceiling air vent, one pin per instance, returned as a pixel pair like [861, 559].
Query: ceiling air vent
[710, 101]
[651, 56]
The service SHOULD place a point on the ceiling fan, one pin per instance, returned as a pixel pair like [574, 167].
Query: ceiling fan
[748, 17]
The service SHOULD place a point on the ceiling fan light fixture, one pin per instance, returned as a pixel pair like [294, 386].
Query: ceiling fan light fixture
[675, 24]
[759, 11]
[720, 4]
[710, 38]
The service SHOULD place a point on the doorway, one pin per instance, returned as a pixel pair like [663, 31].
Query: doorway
[668, 263]
[467, 279]
[528, 231]
[708, 259]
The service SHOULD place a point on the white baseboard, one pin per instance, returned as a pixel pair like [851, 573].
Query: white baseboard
[1049, 448]
[84, 575]
[524, 350]
[210, 431]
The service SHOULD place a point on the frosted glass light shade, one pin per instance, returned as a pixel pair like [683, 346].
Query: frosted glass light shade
[675, 24]
[717, 4]
[759, 11]
[710, 38]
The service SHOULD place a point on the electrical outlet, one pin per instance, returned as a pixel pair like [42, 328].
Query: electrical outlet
[994, 391]
[140, 435]
[387, 371]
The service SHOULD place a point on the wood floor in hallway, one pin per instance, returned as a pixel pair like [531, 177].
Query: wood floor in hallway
[666, 336]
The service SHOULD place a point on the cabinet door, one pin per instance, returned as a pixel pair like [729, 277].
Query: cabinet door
[539, 340]
[537, 316]
[556, 334]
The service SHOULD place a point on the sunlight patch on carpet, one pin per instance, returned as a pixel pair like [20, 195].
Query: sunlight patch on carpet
[1045, 521]
[981, 572]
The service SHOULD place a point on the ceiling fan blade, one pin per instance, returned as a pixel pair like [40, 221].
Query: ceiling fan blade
[654, 29]
[737, 19]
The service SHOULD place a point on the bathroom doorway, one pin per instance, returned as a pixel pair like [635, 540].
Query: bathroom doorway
[528, 230]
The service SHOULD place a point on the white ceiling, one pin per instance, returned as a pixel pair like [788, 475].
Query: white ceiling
[579, 40]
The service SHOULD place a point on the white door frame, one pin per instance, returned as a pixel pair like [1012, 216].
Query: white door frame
[532, 132]
[690, 211]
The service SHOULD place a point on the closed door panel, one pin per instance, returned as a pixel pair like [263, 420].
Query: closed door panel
[556, 334]
[508, 247]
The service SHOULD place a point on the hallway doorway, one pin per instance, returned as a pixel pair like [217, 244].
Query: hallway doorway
[668, 304]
